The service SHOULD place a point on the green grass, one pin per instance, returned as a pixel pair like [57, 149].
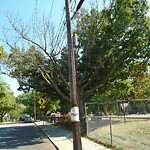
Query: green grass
[126, 136]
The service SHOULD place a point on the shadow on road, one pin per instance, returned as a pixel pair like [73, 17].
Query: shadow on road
[15, 136]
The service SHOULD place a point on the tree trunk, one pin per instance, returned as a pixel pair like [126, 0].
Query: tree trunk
[1, 118]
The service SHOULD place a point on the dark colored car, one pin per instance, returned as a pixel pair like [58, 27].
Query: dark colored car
[22, 118]
[28, 119]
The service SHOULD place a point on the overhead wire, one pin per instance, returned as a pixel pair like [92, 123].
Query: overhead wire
[51, 8]
[77, 8]
[59, 33]
[62, 22]
[50, 12]
[34, 19]
[73, 4]
[62, 30]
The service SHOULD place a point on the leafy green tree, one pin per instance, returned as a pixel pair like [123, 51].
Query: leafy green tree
[17, 112]
[7, 100]
[30, 101]
[110, 41]
[117, 90]
[141, 87]
[3, 56]
[137, 87]
[2, 88]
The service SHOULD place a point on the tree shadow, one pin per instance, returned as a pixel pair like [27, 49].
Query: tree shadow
[16, 136]
[55, 131]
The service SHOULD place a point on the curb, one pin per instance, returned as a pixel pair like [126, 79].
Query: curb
[50, 138]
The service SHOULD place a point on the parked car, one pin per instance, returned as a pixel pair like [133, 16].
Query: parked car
[22, 118]
[28, 119]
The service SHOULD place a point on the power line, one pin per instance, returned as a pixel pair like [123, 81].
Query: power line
[78, 7]
[61, 24]
[60, 33]
[51, 8]
[73, 5]
[36, 7]
[60, 44]
[59, 36]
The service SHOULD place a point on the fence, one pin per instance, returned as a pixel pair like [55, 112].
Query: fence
[121, 124]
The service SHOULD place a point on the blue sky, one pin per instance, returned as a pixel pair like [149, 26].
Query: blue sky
[26, 9]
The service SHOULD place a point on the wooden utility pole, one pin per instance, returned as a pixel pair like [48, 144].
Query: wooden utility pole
[73, 84]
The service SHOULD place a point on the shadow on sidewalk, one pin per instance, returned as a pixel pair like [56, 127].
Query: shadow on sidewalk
[55, 131]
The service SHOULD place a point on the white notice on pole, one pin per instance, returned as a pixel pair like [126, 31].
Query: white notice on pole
[74, 114]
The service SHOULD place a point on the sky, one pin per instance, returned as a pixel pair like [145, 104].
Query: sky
[26, 9]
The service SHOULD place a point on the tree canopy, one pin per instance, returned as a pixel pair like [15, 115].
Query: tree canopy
[7, 100]
[110, 41]
[30, 101]
[3, 55]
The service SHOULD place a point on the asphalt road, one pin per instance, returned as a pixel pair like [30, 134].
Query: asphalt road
[23, 136]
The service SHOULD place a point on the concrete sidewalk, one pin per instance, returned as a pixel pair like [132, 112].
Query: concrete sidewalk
[63, 140]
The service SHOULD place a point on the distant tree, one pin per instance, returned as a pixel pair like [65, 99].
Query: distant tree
[17, 112]
[3, 55]
[135, 87]
[2, 88]
[141, 87]
[7, 100]
[30, 100]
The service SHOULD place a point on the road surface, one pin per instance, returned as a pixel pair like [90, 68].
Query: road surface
[23, 136]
